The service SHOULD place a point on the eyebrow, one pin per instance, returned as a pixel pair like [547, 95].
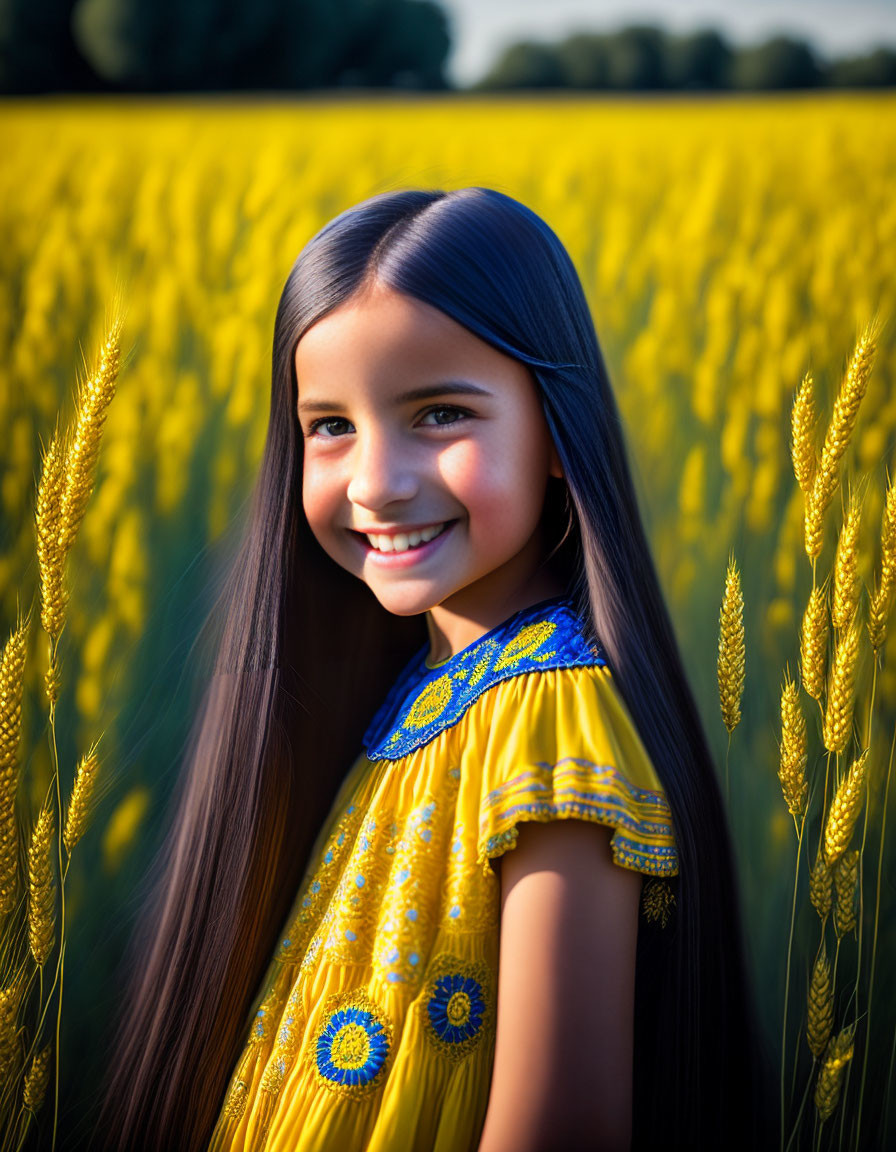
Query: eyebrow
[426, 392]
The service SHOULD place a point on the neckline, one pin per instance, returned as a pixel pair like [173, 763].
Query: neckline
[562, 597]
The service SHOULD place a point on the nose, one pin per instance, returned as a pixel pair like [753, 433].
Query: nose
[380, 472]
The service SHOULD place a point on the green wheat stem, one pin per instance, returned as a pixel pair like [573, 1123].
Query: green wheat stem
[796, 874]
[880, 859]
[62, 875]
[887, 1093]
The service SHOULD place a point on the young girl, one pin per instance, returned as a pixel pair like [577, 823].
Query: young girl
[449, 868]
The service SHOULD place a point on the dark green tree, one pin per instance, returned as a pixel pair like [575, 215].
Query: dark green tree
[202, 45]
[526, 64]
[781, 62]
[585, 60]
[403, 43]
[37, 50]
[699, 61]
[876, 70]
[637, 58]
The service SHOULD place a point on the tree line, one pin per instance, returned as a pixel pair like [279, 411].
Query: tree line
[194, 45]
[642, 57]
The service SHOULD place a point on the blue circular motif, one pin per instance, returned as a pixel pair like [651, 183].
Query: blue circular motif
[352, 1046]
[456, 1007]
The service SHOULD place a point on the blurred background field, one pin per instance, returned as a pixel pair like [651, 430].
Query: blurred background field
[726, 248]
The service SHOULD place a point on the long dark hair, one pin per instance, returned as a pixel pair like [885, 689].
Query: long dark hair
[305, 655]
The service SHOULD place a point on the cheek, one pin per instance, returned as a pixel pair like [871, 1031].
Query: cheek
[319, 497]
[498, 486]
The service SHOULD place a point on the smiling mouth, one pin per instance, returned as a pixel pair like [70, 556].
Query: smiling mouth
[403, 542]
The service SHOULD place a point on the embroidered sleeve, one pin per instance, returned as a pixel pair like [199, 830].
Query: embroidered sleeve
[561, 744]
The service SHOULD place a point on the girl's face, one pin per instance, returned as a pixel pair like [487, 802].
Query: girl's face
[412, 425]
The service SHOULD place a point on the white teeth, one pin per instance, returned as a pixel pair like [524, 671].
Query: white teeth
[402, 541]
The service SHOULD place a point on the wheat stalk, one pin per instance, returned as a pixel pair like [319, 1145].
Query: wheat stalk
[79, 804]
[821, 1006]
[66, 482]
[844, 809]
[94, 398]
[67, 476]
[881, 602]
[10, 998]
[12, 675]
[820, 883]
[793, 755]
[814, 643]
[658, 900]
[41, 903]
[843, 418]
[846, 578]
[731, 649]
[50, 556]
[827, 1090]
[804, 420]
[36, 1080]
[841, 690]
[846, 873]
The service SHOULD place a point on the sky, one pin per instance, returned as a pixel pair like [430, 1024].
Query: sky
[481, 28]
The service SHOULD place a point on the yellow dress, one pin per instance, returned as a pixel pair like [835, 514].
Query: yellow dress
[374, 1028]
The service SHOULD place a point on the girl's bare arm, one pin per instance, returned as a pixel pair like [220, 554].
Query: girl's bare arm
[562, 1076]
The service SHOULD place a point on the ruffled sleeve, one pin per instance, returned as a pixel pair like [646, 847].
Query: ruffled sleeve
[560, 744]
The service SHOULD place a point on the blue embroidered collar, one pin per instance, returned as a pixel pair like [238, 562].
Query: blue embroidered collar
[425, 700]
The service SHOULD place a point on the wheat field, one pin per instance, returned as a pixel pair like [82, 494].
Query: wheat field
[726, 246]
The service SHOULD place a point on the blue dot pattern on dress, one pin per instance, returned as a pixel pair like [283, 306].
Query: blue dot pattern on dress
[456, 1007]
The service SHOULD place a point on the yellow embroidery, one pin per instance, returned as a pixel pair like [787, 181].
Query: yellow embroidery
[423, 702]
[235, 1104]
[483, 664]
[526, 643]
[315, 897]
[431, 702]
[407, 912]
[437, 696]
[260, 1033]
[292, 1026]
[346, 930]
[290, 1031]
[642, 820]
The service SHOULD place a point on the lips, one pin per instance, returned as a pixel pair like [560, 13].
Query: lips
[403, 556]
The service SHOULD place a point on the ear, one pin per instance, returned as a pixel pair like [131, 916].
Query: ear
[555, 468]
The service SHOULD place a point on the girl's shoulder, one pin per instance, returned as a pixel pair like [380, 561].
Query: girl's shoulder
[424, 700]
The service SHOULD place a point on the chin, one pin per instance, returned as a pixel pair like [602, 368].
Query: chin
[405, 605]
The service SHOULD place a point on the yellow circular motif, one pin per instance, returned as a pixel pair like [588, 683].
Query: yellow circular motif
[458, 1009]
[526, 642]
[351, 1046]
[431, 702]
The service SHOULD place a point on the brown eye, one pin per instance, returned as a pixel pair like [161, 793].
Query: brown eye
[324, 421]
[451, 410]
